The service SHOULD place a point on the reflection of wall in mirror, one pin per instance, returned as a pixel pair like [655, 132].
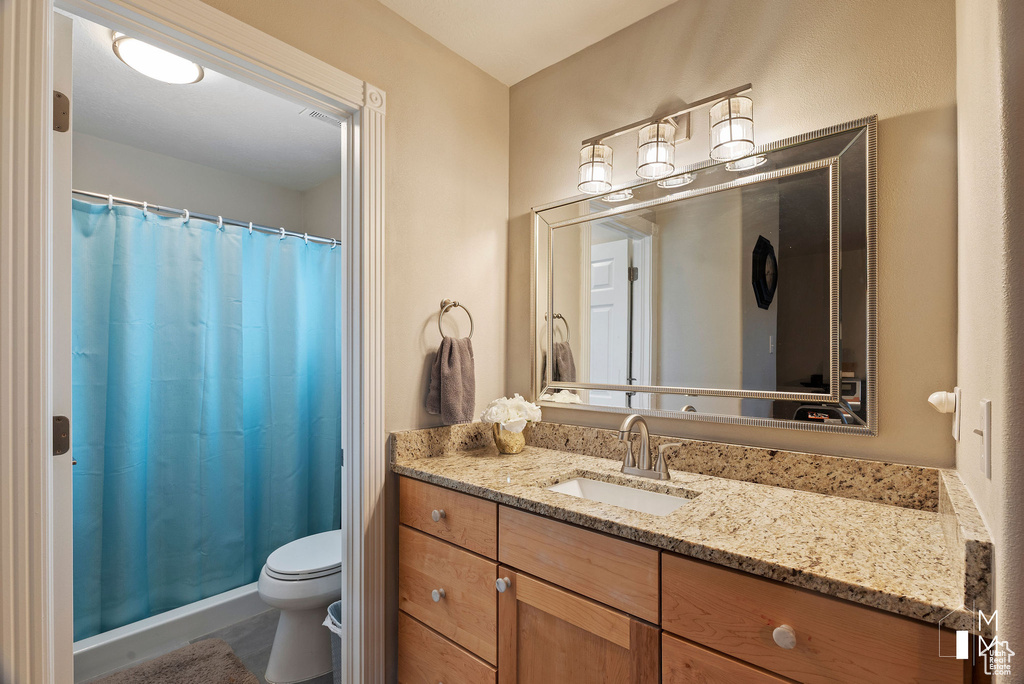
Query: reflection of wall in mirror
[760, 326]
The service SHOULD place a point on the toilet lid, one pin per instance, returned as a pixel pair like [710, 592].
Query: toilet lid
[318, 553]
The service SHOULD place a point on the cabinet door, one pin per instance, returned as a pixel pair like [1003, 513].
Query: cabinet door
[548, 634]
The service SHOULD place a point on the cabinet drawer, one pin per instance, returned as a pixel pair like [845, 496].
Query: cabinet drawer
[425, 657]
[467, 521]
[468, 611]
[616, 572]
[686, 663]
[836, 641]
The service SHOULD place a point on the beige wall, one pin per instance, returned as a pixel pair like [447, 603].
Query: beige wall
[446, 183]
[812, 64]
[990, 69]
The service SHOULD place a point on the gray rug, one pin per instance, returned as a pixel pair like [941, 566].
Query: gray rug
[210, 661]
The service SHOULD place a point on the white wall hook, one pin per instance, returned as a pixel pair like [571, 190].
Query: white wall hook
[944, 402]
[282, 234]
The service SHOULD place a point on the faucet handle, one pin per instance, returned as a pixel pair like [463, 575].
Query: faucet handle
[661, 466]
[628, 461]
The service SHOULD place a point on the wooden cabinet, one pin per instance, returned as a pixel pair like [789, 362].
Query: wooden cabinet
[464, 520]
[616, 572]
[683, 662]
[548, 634]
[424, 657]
[449, 590]
[835, 640]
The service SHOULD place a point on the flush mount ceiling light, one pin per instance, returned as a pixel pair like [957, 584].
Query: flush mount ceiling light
[657, 138]
[656, 150]
[595, 169]
[676, 181]
[732, 128]
[618, 195]
[156, 63]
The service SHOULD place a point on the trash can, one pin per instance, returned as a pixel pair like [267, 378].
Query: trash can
[333, 623]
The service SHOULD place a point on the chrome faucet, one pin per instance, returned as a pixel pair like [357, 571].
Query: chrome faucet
[642, 465]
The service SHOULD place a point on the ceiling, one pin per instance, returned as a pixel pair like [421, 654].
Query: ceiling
[218, 122]
[513, 40]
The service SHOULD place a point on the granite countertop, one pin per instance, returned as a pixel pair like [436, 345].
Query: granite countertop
[889, 557]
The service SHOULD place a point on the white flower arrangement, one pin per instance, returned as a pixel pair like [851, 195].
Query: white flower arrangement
[562, 397]
[512, 414]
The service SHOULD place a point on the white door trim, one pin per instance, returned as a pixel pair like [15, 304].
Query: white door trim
[28, 651]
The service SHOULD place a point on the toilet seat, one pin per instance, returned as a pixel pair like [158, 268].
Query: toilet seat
[317, 555]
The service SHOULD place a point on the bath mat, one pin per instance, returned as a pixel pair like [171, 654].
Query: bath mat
[210, 661]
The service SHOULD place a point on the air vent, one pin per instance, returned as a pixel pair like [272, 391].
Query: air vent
[320, 116]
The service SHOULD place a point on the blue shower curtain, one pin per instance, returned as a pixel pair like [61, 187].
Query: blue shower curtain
[207, 401]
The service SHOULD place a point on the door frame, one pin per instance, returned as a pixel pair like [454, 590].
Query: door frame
[30, 568]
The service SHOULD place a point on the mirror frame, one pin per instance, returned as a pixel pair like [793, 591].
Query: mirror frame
[869, 124]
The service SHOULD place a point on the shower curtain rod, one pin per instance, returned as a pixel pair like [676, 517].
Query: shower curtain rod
[185, 213]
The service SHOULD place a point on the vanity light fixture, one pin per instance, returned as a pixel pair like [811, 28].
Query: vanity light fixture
[746, 163]
[158, 64]
[656, 150]
[595, 168]
[732, 129]
[619, 195]
[676, 181]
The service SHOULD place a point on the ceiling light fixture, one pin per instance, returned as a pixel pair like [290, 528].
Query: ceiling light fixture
[595, 169]
[732, 128]
[676, 181]
[156, 63]
[732, 137]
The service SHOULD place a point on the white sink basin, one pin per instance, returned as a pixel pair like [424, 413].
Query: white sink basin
[640, 500]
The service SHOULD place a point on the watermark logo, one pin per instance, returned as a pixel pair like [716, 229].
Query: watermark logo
[995, 653]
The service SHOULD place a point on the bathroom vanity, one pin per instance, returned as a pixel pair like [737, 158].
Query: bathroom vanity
[502, 579]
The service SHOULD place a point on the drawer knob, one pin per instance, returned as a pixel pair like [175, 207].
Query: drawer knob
[785, 636]
[502, 583]
[437, 515]
[437, 595]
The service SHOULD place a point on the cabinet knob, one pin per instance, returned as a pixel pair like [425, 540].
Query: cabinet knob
[437, 595]
[437, 515]
[502, 583]
[785, 636]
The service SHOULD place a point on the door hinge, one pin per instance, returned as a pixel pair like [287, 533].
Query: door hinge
[61, 435]
[61, 112]
[634, 273]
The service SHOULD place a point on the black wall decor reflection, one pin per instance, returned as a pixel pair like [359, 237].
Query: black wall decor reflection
[764, 273]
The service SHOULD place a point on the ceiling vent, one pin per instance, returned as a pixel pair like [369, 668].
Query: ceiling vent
[320, 116]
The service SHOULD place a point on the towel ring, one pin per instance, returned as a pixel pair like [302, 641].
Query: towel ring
[447, 304]
[565, 322]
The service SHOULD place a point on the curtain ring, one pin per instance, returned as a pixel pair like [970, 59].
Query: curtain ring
[282, 234]
[220, 223]
[250, 227]
[110, 202]
[145, 209]
[305, 238]
[334, 243]
[186, 217]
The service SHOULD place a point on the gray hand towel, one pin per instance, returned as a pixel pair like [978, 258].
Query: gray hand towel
[563, 366]
[452, 392]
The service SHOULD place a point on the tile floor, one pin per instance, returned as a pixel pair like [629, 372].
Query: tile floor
[251, 641]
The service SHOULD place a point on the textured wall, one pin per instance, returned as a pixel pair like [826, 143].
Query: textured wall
[812, 64]
[447, 183]
[990, 88]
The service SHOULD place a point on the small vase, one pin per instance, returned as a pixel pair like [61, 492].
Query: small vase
[507, 442]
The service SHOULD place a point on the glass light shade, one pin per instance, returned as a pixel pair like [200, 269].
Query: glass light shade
[595, 169]
[732, 128]
[746, 163]
[656, 150]
[619, 195]
[156, 63]
[676, 181]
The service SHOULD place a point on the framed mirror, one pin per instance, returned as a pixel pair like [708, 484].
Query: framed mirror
[739, 292]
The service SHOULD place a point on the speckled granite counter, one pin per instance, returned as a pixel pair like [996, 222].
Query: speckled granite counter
[918, 563]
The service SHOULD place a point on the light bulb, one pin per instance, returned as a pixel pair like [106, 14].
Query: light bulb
[156, 63]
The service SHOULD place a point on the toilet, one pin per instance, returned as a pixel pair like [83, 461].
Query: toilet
[301, 579]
